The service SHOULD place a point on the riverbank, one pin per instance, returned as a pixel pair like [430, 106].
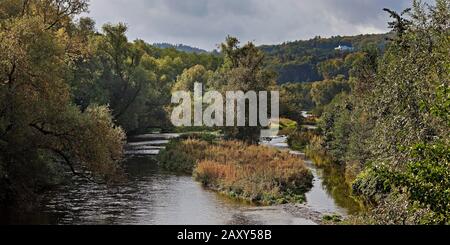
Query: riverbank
[336, 179]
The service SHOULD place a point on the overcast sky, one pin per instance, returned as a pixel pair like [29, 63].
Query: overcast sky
[206, 23]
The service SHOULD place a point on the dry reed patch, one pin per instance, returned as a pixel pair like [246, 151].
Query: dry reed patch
[255, 173]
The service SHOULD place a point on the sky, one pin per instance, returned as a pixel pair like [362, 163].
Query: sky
[206, 23]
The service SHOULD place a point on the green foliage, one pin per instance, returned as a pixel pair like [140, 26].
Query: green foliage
[300, 139]
[425, 180]
[242, 70]
[287, 126]
[331, 68]
[333, 219]
[42, 133]
[324, 92]
[428, 178]
[135, 79]
[295, 98]
[195, 74]
[181, 156]
[336, 126]
[396, 118]
[395, 209]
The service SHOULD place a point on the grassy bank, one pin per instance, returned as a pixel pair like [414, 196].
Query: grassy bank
[254, 173]
[337, 177]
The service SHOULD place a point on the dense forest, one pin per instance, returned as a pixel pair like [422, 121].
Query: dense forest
[71, 94]
[318, 58]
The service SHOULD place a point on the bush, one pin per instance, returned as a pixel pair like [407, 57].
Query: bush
[180, 156]
[425, 180]
[300, 139]
[395, 209]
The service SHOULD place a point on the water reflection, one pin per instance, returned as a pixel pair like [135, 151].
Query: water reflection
[330, 193]
[149, 197]
[331, 183]
[153, 197]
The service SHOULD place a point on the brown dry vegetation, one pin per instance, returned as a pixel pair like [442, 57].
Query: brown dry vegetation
[254, 173]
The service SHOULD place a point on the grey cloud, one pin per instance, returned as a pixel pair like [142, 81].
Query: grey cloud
[211, 7]
[205, 23]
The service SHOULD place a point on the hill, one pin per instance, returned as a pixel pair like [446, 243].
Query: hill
[299, 61]
[180, 47]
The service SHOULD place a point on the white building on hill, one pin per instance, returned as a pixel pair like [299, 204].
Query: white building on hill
[344, 48]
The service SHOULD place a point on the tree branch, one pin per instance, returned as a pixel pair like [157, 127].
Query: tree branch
[48, 132]
[129, 103]
[70, 165]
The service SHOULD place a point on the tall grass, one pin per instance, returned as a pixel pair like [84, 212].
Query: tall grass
[254, 173]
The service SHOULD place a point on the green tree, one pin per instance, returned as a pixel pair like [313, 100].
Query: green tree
[324, 92]
[41, 130]
[331, 68]
[393, 125]
[195, 74]
[410, 104]
[295, 98]
[243, 70]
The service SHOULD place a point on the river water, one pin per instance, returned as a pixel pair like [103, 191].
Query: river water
[152, 197]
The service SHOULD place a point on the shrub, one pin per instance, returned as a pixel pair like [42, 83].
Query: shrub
[395, 209]
[300, 139]
[425, 180]
[180, 156]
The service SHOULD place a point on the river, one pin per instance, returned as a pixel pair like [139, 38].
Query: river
[153, 197]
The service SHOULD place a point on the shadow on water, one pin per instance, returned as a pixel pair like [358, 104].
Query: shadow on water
[153, 197]
[330, 193]
[332, 183]
[149, 197]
